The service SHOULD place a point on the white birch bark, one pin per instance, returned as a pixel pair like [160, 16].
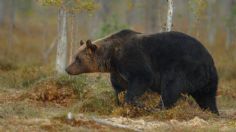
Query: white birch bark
[61, 57]
[169, 15]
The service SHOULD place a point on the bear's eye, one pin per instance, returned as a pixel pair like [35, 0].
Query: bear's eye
[77, 60]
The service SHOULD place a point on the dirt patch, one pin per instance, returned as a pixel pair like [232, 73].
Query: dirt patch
[51, 92]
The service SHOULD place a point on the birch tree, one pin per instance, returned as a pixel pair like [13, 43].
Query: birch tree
[61, 57]
[64, 8]
[169, 15]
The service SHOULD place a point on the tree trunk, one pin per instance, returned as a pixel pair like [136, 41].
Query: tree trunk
[169, 15]
[61, 57]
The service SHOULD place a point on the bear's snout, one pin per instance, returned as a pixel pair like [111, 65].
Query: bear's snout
[73, 69]
[70, 69]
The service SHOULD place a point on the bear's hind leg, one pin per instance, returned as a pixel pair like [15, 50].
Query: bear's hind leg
[206, 101]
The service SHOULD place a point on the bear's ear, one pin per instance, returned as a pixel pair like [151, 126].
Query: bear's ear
[91, 46]
[81, 42]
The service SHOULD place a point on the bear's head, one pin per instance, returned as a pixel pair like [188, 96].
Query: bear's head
[85, 59]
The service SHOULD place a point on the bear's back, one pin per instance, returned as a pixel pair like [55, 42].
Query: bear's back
[174, 45]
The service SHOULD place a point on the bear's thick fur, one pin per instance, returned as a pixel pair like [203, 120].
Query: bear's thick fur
[170, 63]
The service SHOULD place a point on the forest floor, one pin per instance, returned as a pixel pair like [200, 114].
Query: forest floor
[46, 107]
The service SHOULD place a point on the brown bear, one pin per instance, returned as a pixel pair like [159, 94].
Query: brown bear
[170, 63]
